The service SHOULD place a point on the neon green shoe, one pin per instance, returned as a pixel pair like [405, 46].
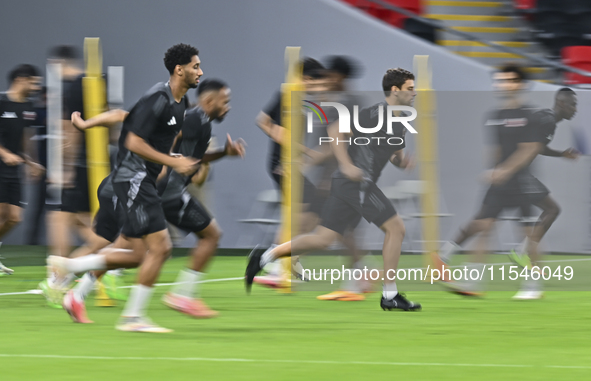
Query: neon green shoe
[53, 296]
[521, 260]
[113, 287]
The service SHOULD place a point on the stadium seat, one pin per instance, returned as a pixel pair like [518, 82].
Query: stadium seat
[386, 15]
[527, 8]
[578, 57]
[525, 5]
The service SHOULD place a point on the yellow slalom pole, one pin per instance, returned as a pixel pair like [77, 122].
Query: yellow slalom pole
[291, 119]
[428, 156]
[97, 139]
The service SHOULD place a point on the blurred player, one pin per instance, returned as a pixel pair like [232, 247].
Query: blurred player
[354, 193]
[517, 140]
[339, 70]
[269, 121]
[73, 211]
[186, 212]
[565, 108]
[179, 207]
[149, 131]
[16, 113]
[105, 232]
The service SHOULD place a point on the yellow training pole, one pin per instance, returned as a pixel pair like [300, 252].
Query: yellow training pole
[291, 120]
[428, 156]
[97, 139]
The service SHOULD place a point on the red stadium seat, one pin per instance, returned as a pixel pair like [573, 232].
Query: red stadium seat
[525, 5]
[526, 8]
[386, 15]
[578, 57]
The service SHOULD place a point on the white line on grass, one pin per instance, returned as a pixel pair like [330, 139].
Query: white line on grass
[327, 362]
[156, 285]
[23, 293]
[240, 278]
[202, 281]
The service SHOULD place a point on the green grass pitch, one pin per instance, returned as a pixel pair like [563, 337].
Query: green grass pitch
[271, 336]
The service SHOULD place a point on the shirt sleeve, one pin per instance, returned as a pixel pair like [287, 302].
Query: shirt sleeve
[202, 145]
[147, 115]
[191, 126]
[73, 98]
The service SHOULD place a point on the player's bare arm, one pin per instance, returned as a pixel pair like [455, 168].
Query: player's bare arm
[401, 160]
[274, 131]
[230, 149]
[340, 152]
[525, 154]
[10, 158]
[106, 119]
[569, 153]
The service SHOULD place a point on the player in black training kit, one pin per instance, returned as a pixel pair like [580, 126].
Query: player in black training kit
[517, 140]
[16, 113]
[354, 193]
[565, 108]
[71, 207]
[179, 207]
[146, 139]
[184, 211]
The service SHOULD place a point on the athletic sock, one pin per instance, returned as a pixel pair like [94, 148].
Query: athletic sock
[267, 256]
[52, 279]
[350, 284]
[85, 286]
[447, 250]
[116, 272]
[67, 280]
[87, 263]
[474, 284]
[139, 298]
[389, 290]
[531, 284]
[187, 285]
[521, 249]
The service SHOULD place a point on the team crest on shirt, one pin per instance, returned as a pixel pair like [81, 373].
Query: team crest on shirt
[29, 115]
[9, 115]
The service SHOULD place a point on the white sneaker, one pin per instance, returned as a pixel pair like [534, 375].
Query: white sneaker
[5, 270]
[528, 295]
[139, 324]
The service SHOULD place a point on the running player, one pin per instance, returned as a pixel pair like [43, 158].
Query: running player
[269, 121]
[144, 146]
[179, 207]
[186, 212]
[16, 113]
[354, 193]
[565, 108]
[73, 206]
[517, 141]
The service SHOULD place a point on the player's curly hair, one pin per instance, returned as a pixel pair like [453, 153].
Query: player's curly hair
[513, 67]
[395, 77]
[180, 54]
